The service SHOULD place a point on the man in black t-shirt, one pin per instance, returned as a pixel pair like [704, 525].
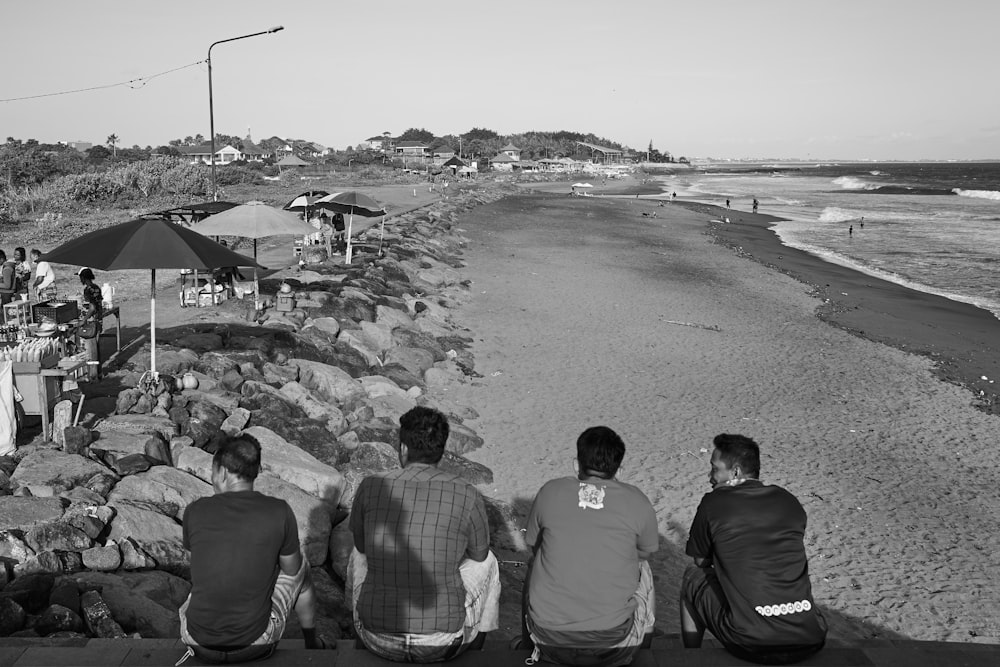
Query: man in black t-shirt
[749, 584]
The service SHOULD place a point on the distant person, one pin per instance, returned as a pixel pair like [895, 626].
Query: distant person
[727, 203]
[588, 593]
[673, 197]
[862, 222]
[92, 320]
[755, 204]
[8, 279]
[422, 582]
[247, 571]
[749, 584]
[22, 270]
[45, 277]
[850, 230]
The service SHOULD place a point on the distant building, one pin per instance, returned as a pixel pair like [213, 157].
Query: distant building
[512, 151]
[380, 143]
[412, 149]
[603, 154]
[203, 154]
[503, 162]
[81, 146]
[443, 153]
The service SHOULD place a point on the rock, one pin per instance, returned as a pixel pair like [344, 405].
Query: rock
[346, 358]
[328, 325]
[462, 439]
[158, 449]
[31, 591]
[360, 345]
[392, 317]
[142, 602]
[97, 617]
[157, 535]
[50, 467]
[76, 439]
[225, 400]
[102, 559]
[378, 430]
[389, 408]
[402, 377]
[377, 385]
[298, 467]
[198, 342]
[13, 548]
[236, 421]
[328, 382]
[341, 544]
[137, 425]
[167, 488]
[232, 380]
[168, 362]
[216, 365]
[311, 515]
[21, 514]
[275, 374]
[314, 409]
[82, 496]
[197, 462]
[57, 536]
[377, 337]
[102, 483]
[132, 464]
[372, 458]
[46, 562]
[414, 359]
[91, 520]
[133, 557]
[57, 618]
[347, 309]
[470, 471]
[65, 592]
[12, 616]
[443, 376]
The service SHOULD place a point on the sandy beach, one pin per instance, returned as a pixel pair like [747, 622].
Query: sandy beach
[585, 312]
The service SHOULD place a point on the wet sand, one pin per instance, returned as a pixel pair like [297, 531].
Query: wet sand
[586, 312]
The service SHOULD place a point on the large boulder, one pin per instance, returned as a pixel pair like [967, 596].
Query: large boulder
[391, 407]
[360, 344]
[414, 359]
[216, 364]
[377, 336]
[13, 548]
[312, 516]
[197, 462]
[462, 439]
[314, 409]
[403, 378]
[328, 382]
[470, 471]
[199, 342]
[392, 318]
[21, 513]
[169, 362]
[137, 425]
[55, 469]
[169, 489]
[378, 385]
[58, 535]
[143, 602]
[298, 467]
[157, 534]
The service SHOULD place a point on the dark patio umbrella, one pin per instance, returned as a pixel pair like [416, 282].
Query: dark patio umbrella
[147, 243]
[304, 201]
[352, 203]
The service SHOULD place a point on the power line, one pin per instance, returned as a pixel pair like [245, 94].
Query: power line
[141, 81]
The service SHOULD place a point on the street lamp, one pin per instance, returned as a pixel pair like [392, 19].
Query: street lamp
[211, 112]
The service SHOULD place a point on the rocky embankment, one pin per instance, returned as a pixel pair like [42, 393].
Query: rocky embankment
[90, 523]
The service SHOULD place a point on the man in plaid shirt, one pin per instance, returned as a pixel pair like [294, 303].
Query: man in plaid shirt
[422, 580]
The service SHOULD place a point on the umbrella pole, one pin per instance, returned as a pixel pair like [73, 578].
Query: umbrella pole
[152, 326]
[350, 223]
[381, 234]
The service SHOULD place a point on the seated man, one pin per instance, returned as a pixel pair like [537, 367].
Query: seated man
[749, 584]
[422, 581]
[246, 567]
[588, 594]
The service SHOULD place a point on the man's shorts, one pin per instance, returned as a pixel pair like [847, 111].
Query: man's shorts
[286, 591]
[706, 601]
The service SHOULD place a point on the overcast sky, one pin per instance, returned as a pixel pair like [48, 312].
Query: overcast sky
[835, 79]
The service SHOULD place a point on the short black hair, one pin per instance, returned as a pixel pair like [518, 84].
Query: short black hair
[424, 431]
[239, 455]
[3, 255]
[19, 250]
[738, 450]
[86, 274]
[600, 452]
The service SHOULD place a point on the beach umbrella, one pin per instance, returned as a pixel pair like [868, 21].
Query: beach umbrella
[147, 243]
[352, 203]
[254, 220]
[304, 201]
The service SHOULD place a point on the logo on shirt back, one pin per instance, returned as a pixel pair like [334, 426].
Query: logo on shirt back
[784, 608]
[591, 496]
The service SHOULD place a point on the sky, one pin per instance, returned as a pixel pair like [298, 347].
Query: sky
[815, 79]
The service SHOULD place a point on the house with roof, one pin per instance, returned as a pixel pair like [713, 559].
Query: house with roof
[412, 149]
[251, 151]
[512, 151]
[379, 143]
[443, 153]
[603, 154]
[203, 154]
[503, 162]
[309, 149]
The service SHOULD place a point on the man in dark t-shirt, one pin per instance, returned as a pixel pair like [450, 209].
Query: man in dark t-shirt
[246, 567]
[749, 584]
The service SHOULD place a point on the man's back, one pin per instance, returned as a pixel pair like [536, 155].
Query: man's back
[586, 566]
[414, 526]
[235, 539]
[753, 535]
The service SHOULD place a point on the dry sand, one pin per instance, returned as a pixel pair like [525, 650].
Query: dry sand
[580, 310]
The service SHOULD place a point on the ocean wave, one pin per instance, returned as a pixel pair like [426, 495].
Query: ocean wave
[978, 194]
[853, 183]
[835, 214]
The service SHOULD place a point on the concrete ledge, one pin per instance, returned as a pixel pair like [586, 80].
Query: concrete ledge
[666, 652]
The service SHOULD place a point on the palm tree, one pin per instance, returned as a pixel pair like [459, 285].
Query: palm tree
[113, 142]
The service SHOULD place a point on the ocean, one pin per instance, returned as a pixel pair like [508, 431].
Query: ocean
[933, 227]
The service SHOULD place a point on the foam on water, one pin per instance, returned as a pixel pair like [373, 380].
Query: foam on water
[854, 183]
[835, 214]
[978, 194]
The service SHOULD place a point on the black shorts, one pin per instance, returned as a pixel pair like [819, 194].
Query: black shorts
[705, 599]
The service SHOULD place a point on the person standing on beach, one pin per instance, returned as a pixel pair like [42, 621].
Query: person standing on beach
[850, 230]
[588, 593]
[749, 584]
[727, 203]
[862, 222]
[755, 204]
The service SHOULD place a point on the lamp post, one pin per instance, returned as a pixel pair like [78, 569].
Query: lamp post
[211, 111]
